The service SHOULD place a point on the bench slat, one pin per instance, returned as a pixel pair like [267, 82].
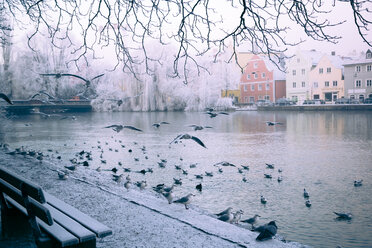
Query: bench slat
[71, 225]
[33, 190]
[98, 228]
[61, 235]
[38, 209]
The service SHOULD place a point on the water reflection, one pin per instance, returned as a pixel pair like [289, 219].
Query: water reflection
[323, 152]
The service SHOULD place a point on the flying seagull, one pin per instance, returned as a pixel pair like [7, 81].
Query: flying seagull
[188, 136]
[120, 101]
[6, 98]
[157, 125]
[118, 128]
[212, 114]
[272, 123]
[59, 75]
[197, 127]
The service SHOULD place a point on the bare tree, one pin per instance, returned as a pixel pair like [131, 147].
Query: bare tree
[194, 26]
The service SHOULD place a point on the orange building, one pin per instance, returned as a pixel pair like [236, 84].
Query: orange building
[261, 80]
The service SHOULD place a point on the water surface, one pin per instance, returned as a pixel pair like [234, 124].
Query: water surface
[323, 152]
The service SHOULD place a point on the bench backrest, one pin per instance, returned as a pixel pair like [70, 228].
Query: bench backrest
[13, 185]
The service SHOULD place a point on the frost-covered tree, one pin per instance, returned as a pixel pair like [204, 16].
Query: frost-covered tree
[194, 26]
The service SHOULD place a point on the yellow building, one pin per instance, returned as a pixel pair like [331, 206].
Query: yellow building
[326, 78]
[234, 94]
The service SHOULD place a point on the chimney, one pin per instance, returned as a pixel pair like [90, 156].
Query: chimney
[333, 53]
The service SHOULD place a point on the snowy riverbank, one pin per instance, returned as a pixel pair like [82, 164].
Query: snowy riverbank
[137, 218]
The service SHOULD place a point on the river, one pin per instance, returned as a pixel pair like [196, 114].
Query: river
[323, 152]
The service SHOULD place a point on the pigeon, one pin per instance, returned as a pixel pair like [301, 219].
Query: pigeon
[267, 231]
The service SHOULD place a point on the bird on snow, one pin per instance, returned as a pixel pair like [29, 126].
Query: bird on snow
[251, 220]
[6, 98]
[308, 203]
[199, 187]
[267, 231]
[169, 196]
[263, 199]
[228, 217]
[188, 136]
[185, 200]
[118, 128]
[306, 194]
[236, 216]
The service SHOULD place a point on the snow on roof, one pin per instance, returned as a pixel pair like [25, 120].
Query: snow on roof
[364, 59]
[313, 55]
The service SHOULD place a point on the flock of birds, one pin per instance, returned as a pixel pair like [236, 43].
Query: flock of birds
[266, 231]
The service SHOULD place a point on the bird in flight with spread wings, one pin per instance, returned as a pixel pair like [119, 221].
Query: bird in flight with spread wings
[188, 136]
[59, 75]
[6, 98]
[118, 128]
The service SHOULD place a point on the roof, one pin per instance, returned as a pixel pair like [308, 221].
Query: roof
[313, 55]
[361, 60]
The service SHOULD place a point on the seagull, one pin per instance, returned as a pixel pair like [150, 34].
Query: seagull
[272, 123]
[224, 163]
[308, 203]
[118, 128]
[267, 231]
[185, 200]
[226, 211]
[213, 114]
[141, 184]
[169, 196]
[117, 178]
[358, 183]
[6, 98]
[62, 175]
[267, 176]
[306, 194]
[251, 220]
[127, 184]
[269, 166]
[236, 216]
[343, 216]
[197, 127]
[280, 178]
[120, 101]
[59, 75]
[188, 136]
[263, 199]
[157, 125]
[228, 217]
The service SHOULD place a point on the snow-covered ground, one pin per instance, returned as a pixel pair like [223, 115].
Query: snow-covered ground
[137, 218]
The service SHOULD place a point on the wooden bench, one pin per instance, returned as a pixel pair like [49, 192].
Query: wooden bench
[54, 223]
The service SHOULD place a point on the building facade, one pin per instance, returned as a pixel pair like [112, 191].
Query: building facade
[327, 79]
[261, 80]
[358, 77]
[299, 86]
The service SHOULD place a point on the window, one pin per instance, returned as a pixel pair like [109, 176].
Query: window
[369, 67]
[294, 72]
[329, 70]
[303, 71]
[352, 97]
[263, 75]
[252, 87]
[256, 75]
[326, 84]
[357, 68]
[316, 97]
[320, 70]
[267, 86]
[255, 65]
[267, 97]
[246, 99]
[251, 99]
[294, 84]
[260, 87]
[358, 83]
[369, 83]
[334, 83]
[248, 76]
[315, 84]
[361, 98]
[303, 84]
[245, 87]
[298, 60]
